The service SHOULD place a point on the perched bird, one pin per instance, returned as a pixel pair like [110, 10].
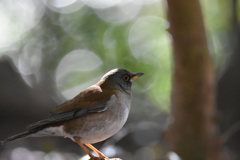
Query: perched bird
[94, 115]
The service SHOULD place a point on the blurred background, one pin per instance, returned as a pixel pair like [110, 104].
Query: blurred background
[51, 50]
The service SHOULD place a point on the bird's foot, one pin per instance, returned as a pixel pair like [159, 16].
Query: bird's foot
[96, 158]
[103, 158]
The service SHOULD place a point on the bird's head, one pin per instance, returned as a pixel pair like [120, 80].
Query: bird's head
[120, 79]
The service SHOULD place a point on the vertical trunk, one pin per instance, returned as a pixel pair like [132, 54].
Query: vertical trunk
[192, 132]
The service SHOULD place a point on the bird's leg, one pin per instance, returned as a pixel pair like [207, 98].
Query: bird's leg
[97, 151]
[92, 157]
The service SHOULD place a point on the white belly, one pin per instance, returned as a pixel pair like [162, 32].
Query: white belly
[104, 130]
[116, 116]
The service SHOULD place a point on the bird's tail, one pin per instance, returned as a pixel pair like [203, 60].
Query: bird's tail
[18, 136]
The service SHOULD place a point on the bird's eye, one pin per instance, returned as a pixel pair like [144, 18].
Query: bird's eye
[126, 77]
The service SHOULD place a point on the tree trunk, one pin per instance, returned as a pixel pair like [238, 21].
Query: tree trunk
[192, 134]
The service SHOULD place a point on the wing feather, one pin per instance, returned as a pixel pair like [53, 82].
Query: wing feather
[65, 116]
[91, 100]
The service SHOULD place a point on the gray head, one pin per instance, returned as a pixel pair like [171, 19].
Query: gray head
[121, 79]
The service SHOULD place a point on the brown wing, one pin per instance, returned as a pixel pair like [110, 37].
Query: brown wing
[91, 100]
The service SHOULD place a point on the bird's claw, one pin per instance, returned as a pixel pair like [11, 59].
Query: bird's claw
[99, 158]
[103, 158]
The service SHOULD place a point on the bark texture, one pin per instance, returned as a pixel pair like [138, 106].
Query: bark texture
[192, 134]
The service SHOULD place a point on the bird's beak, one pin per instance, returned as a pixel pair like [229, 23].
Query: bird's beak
[136, 75]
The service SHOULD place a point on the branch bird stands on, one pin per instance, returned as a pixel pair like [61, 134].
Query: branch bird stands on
[94, 115]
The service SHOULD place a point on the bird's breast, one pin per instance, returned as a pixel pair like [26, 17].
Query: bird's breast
[99, 126]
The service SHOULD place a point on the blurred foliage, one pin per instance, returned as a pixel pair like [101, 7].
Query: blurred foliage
[69, 45]
[65, 46]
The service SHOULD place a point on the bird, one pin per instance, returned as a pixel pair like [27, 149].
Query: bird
[95, 114]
